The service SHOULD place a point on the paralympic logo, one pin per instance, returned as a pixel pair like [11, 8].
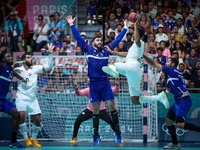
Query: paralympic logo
[179, 131]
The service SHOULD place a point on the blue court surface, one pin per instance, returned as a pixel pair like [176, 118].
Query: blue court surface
[52, 145]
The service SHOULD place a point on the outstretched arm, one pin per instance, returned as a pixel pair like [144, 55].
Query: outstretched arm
[49, 65]
[19, 77]
[84, 92]
[136, 33]
[80, 41]
[152, 62]
[120, 36]
[123, 54]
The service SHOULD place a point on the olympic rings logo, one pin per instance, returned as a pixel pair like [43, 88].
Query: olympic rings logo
[179, 131]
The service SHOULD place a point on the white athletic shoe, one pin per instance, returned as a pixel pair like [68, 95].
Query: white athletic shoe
[110, 71]
[164, 99]
[172, 146]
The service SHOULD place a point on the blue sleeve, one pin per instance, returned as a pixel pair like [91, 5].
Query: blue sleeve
[6, 27]
[20, 25]
[80, 41]
[166, 69]
[117, 40]
[152, 23]
[62, 25]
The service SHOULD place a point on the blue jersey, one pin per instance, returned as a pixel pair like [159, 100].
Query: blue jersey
[96, 59]
[163, 60]
[175, 81]
[6, 76]
[170, 24]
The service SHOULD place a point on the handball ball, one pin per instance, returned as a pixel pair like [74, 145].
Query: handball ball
[132, 17]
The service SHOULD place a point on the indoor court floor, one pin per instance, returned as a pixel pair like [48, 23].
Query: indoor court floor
[51, 145]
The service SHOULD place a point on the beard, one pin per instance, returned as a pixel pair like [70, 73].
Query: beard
[98, 46]
[9, 63]
[28, 64]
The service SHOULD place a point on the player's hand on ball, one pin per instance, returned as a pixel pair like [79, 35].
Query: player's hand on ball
[126, 24]
[70, 19]
[76, 87]
[50, 47]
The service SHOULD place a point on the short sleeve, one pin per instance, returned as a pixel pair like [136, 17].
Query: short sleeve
[62, 25]
[166, 69]
[38, 68]
[20, 25]
[152, 23]
[6, 27]
[46, 28]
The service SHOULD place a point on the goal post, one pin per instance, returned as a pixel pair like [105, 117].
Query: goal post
[60, 105]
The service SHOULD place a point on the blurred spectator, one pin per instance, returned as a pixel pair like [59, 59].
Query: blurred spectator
[112, 22]
[166, 8]
[179, 6]
[166, 28]
[161, 35]
[14, 32]
[91, 9]
[195, 46]
[118, 30]
[107, 30]
[79, 51]
[70, 84]
[192, 85]
[198, 40]
[119, 15]
[111, 37]
[124, 8]
[84, 37]
[86, 81]
[187, 10]
[56, 27]
[171, 42]
[178, 46]
[156, 3]
[185, 43]
[128, 43]
[120, 47]
[159, 87]
[178, 36]
[40, 34]
[192, 59]
[166, 52]
[154, 24]
[175, 55]
[137, 8]
[170, 22]
[131, 10]
[56, 42]
[144, 23]
[2, 43]
[194, 9]
[180, 26]
[57, 49]
[190, 34]
[97, 33]
[161, 57]
[70, 45]
[149, 15]
[186, 73]
[175, 14]
[64, 47]
[162, 15]
[186, 20]
[7, 6]
[163, 80]
[51, 18]
[197, 80]
[126, 15]
[129, 3]
[152, 10]
[152, 44]
[191, 69]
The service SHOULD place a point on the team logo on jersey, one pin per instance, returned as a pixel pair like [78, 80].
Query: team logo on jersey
[30, 74]
[10, 74]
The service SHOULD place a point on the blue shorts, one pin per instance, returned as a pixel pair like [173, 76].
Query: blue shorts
[6, 105]
[100, 91]
[182, 107]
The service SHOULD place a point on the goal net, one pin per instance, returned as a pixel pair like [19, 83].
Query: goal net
[60, 105]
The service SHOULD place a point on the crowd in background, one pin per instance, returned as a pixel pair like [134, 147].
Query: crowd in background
[172, 29]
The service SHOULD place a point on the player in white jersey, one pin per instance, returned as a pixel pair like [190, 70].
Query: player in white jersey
[131, 69]
[26, 100]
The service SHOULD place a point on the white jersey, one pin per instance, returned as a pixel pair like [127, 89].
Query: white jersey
[135, 53]
[27, 92]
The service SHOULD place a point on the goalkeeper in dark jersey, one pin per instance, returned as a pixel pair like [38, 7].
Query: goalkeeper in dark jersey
[100, 89]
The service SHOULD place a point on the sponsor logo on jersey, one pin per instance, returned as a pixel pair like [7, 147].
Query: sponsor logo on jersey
[30, 74]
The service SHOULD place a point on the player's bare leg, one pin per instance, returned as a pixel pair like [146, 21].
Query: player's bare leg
[111, 106]
[36, 128]
[23, 128]
[15, 126]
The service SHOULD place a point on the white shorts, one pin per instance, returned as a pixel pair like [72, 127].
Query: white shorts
[31, 107]
[131, 69]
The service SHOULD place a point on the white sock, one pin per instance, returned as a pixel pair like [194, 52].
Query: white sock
[35, 131]
[147, 99]
[113, 68]
[23, 130]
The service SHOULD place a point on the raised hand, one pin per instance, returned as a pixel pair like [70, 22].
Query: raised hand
[70, 20]
[50, 47]
[126, 24]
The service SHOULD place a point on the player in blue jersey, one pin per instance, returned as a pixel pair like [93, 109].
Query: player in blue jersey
[100, 89]
[179, 110]
[6, 75]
